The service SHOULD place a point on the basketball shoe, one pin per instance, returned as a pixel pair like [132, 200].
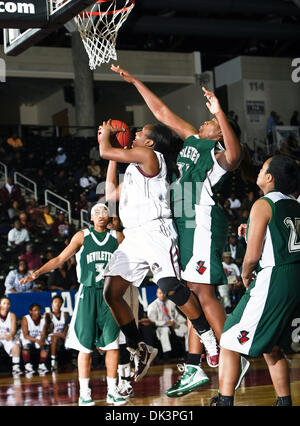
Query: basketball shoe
[211, 346]
[42, 369]
[125, 388]
[29, 368]
[16, 370]
[192, 378]
[142, 357]
[114, 397]
[85, 399]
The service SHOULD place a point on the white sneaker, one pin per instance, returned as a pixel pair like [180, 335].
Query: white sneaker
[86, 399]
[192, 378]
[114, 397]
[16, 370]
[245, 364]
[42, 369]
[125, 388]
[211, 348]
[29, 368]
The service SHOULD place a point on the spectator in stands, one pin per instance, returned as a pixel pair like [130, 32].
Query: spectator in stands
[235, 203]
[236, 249]
[26, 223]
[258, 158]
[89, 184]
[34, 330]
[8, 339]
[15, 142]
[294, 119]
[146, 328]
[10, 192]
[61, 227]
[18, 236]
[63, 278]
[94, 169]
[47, 217]
[243, 217]
[82, 204]
[167, 320]
[233, 279]
[42, 183]
[57, 326]
[94, 153]
[12, 280]
[61, 157]
[14, 211]
[32, 258]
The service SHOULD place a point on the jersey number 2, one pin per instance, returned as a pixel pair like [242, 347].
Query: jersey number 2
[294, 238]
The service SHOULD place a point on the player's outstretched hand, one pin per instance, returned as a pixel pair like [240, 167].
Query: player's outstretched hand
[213, 103]
[27, 279]
[123, 73]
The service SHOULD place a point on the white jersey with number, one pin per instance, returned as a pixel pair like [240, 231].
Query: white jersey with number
[34, 330]
[58, 323]
[144, 198]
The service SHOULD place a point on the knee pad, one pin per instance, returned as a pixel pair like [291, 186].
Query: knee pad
[174, 290]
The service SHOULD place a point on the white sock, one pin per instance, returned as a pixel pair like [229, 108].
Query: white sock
[124, 370]
[111, 383]
[15, 359]
[83, 385]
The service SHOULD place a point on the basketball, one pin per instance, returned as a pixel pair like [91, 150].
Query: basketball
[121, 139]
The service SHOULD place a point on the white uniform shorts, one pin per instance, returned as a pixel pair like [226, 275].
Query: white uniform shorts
[152, 246]
[7, 345]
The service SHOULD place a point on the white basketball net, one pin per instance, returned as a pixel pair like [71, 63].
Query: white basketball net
[99, 26]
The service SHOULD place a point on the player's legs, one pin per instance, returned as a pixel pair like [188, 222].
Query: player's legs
[84, 362]
[229, 371]
[114, 289]
[279, 373]
[211, 306]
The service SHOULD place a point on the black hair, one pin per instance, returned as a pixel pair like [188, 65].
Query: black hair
[286, 174]
[24, 261]
[168, 144]
[33, 305]
[57, 296]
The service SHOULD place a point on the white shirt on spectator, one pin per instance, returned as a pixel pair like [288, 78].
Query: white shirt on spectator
[235, 204]
[17, 236]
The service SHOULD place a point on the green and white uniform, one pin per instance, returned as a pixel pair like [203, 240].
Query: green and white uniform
[262, 319]
[201, 222]
[92, 323]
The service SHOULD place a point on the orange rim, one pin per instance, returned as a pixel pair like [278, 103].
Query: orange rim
[110, 12]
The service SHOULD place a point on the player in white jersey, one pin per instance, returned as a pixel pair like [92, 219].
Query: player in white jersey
[58, 326]
[150, 238]
[261, 322]
[34, 334]
[8, 338]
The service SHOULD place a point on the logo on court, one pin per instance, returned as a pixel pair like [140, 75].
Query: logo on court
[200, 267]
[242, 338]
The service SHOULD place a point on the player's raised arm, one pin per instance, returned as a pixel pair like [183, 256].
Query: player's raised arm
[75, 244]
[230, 158]
[158, 108]
[112, 187]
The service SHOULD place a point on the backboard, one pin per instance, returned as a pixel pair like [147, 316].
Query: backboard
[17, 41]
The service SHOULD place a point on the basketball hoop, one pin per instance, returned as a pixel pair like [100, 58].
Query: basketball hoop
[99, 25]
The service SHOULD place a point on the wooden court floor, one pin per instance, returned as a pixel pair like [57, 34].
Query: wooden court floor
[61, 388]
